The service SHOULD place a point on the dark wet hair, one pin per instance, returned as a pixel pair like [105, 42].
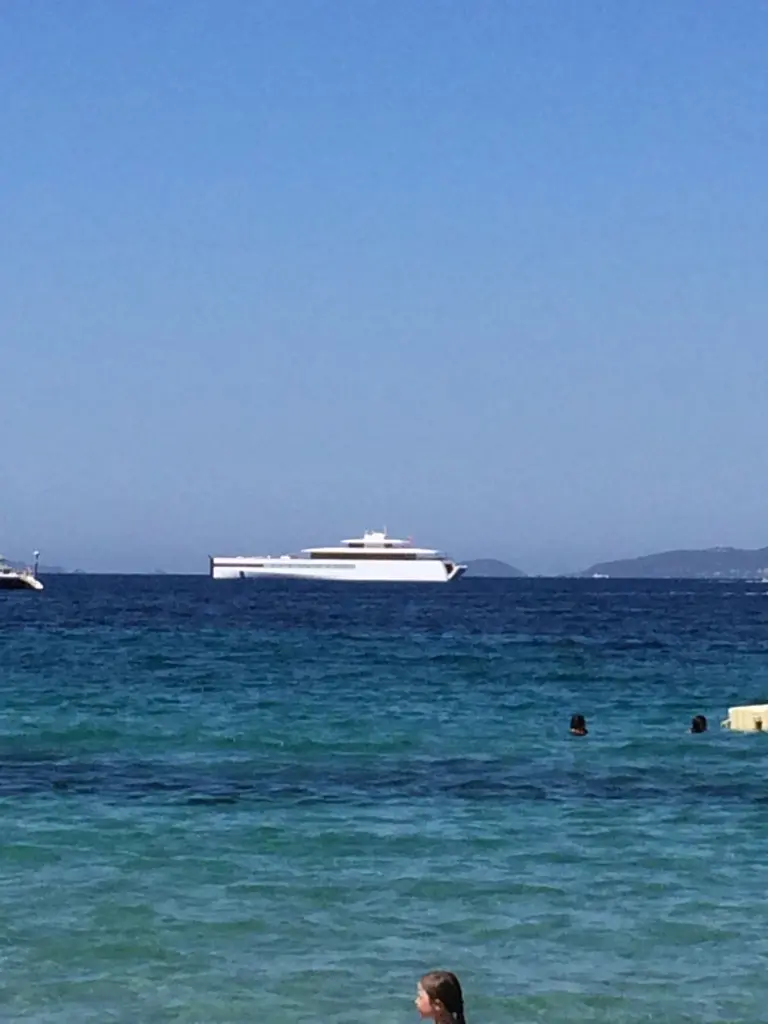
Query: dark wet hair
[698, 723]
[443, 987]
[578, 723]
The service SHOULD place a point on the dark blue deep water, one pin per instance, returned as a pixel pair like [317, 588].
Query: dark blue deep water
[225, 802]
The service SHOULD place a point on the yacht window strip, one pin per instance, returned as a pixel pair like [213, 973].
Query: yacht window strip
[362, 555]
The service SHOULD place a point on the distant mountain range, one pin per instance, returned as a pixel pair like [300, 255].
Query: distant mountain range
[491, 567]
[707, 563]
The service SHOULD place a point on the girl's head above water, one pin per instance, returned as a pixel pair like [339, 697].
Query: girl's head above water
[439, 998]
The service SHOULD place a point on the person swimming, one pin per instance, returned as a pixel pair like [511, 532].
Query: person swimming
[439, 998]
[698, 723]
[578, 725]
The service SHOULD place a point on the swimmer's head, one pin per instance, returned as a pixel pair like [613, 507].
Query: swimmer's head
[439, 998]
[578, 725]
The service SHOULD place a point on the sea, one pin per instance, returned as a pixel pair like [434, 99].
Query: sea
[283, 802]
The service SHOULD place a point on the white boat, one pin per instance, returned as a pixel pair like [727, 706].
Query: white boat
[19, 579]
[374, 557]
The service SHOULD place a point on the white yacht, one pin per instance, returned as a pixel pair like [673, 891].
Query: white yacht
[374, 557]
[19, 579]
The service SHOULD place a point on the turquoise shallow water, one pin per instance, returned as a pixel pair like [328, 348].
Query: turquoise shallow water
[245, 802]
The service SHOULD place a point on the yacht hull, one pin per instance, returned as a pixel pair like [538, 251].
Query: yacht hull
[19, 581]
[346, 570]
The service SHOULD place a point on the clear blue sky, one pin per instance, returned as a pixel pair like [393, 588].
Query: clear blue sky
[492, 273]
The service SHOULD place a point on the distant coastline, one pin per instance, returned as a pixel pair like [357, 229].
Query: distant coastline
[701, 563]
[683, 563]
[15, 563]
[492, 567]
